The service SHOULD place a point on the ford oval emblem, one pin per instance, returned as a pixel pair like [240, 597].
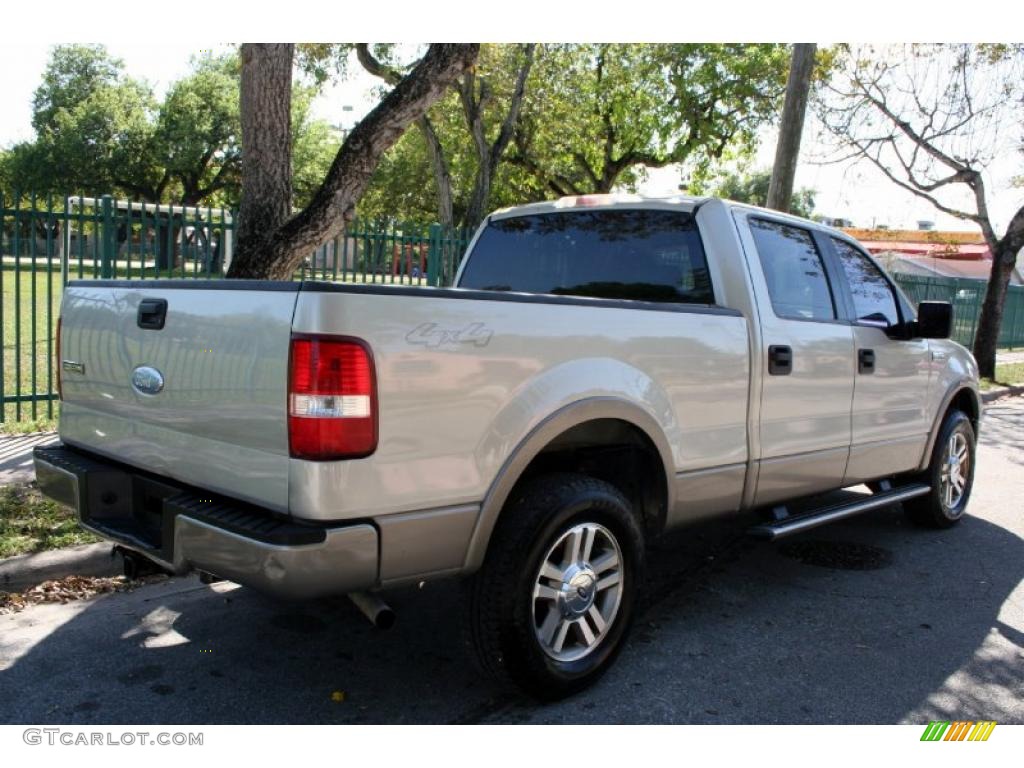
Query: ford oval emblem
[147, 380]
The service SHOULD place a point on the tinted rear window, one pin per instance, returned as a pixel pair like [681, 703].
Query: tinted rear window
[642, 255]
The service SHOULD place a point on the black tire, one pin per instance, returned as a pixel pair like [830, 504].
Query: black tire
[500, 602]
[934, 510]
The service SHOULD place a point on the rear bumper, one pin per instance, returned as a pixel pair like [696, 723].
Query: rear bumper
[182, 529]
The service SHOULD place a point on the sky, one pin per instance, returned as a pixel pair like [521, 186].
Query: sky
[848, 190]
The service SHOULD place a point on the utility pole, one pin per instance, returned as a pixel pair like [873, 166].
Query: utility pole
[787, 151]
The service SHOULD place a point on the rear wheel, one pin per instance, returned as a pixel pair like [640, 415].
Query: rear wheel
[950, 475]
[551, 606]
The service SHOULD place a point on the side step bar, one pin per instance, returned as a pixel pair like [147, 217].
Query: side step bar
[787, 526]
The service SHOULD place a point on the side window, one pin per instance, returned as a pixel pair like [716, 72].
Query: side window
[793, 270]
[873, 299]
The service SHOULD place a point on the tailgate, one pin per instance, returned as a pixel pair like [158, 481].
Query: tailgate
[200, 399]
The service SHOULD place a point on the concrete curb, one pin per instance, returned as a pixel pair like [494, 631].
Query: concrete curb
[998, 393]
[26, 571]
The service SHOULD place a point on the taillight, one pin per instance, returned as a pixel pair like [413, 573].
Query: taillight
[332, 398]
[60, 363]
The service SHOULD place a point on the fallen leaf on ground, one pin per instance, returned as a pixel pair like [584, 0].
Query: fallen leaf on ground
[70, 588]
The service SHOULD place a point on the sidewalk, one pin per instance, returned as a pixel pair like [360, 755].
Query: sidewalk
[23, 572]
[16, 456]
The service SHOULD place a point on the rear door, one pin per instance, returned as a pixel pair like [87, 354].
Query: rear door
[806, 360]
[890, 419]
[186, 379]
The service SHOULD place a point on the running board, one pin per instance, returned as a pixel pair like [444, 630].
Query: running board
[787, 526]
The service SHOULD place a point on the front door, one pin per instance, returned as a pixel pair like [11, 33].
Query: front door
[890, 419]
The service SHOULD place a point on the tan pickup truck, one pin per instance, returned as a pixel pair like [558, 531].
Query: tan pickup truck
[603, 370]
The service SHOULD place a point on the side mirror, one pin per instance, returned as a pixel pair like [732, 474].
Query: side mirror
[934, 320]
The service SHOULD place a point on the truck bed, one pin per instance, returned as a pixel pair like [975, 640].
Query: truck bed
[462, 376]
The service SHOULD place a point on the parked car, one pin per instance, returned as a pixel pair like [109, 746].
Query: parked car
[605, 369]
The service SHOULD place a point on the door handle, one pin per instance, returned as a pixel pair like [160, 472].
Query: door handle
[152, 313]
[780, 360]
[866, 361]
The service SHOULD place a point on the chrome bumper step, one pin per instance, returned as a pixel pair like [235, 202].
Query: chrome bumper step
[183, 529]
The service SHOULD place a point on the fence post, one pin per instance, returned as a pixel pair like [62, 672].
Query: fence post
[434, 256]
[109, 240]
[1016, 336]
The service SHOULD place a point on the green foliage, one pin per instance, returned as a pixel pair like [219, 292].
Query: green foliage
[198, 131]
[323, 61]
[752, 188]
[314, 146]
[6, 177]
[599, 114]
[99, 130]
[74, 73]
[91, 129]
[404, 186]
[594, 118]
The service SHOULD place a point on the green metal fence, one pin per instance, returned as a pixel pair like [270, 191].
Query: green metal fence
[967, 296]
[44, 242]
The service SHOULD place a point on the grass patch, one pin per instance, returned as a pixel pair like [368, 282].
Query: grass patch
[30, 426]
[1007, 374]
[30, 305]
[31, 523]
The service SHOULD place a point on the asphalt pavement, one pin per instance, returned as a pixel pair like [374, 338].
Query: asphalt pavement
[868, 621]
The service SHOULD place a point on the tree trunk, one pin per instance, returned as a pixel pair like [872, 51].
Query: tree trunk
[478, 202]
[266, 95]
[489, 155]
[333, 205]
[986, 340]
[787, 151]
[438, 162]
[442, 176]
[1004, 258]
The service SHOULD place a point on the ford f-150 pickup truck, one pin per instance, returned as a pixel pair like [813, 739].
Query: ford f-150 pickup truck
[605, 369]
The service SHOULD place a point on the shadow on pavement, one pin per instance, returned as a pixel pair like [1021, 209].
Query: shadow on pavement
[733, 631]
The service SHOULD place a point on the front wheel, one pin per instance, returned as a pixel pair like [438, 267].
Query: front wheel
[950, 474]
[551, 606]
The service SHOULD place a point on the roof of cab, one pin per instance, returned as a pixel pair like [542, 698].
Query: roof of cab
[673, 202]
[591, 202]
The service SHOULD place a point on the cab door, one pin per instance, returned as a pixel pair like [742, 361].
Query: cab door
[806, 360]
[889, 421]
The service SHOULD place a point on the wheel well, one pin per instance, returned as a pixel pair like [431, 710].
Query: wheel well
[965, 401]
[616, 451]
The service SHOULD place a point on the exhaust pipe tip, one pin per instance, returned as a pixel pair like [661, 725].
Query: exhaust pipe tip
[385, 619]
[373, 608]
[135, 565]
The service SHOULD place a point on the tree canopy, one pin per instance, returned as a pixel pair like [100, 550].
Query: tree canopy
[752, 188]
[271, 239]
[100, 131]
[601, 114]
[593, 118]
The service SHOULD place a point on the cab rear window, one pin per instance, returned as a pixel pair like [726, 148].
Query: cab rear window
[644, 255]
